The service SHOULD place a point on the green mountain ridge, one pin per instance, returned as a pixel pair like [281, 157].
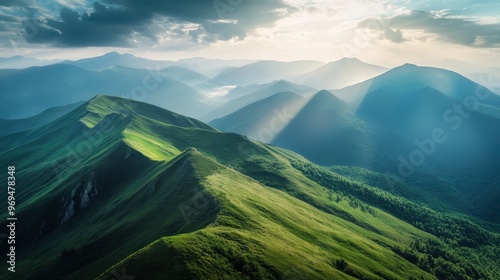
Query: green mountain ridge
[127, 187]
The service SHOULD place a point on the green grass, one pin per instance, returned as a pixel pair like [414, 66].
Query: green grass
[264, 233]
[180, 200]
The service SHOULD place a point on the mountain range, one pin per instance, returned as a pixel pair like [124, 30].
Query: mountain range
[116, 59]
[20, 62]
[208, 67]
[409, 121]
[119, 74]
[305, 170]
[265, 72]
[133, 190]
[61, 84]
[45, 117]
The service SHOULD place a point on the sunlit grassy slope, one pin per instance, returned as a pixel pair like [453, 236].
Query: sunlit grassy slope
[157, 195]
[264, 233]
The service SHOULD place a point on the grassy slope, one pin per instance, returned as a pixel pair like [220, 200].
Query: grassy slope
[264, 233]
[125, 216]
[49, 175]
[264, 216]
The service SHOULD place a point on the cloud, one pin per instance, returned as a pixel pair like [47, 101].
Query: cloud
[119, 23]
[8, 18]
[388, 33]
[393, 35]
[450, 29]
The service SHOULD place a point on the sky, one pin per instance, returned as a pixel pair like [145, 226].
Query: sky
[387, 33]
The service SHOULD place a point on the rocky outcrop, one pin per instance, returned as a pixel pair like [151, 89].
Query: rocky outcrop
[70, 211]
[89, 192]
[69, 205]
[79, 199]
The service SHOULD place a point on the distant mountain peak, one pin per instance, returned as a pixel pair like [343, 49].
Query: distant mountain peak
[410, 65]
[408, 69]
[349, 59]
[325, 99]
[325, 96]
[284, 85]
[281, 82]
[113, 53]
[323, 93]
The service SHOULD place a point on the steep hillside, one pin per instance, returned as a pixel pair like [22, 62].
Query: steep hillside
[327, 132]
[131, 189]
[264, 119]
[409, 106]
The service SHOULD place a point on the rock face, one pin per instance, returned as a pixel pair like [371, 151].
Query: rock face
[69, 205]
[79, 199]
[70, 211]
[87, 194]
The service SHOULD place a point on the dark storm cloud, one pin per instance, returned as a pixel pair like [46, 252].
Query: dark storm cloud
[449, 29]
[102, 27]
[113, 22]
